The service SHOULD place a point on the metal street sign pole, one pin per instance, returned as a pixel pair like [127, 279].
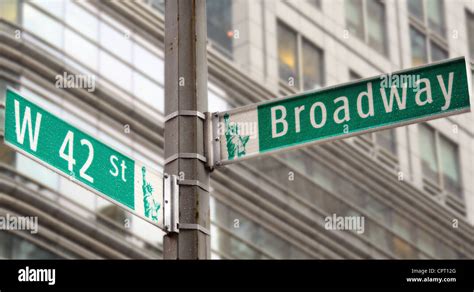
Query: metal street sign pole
[185, 104]
[391, 100]
[87, 161]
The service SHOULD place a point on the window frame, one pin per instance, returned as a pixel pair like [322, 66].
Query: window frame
[440, 183]
[365, 19]
[429, 34]
[300, 40]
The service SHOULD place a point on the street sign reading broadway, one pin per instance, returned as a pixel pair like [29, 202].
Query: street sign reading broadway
[418, 94]
[75, 154]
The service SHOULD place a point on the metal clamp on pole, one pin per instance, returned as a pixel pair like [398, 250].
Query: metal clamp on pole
[209, 140]
[171, 201]
[185, 113]
[212, 139]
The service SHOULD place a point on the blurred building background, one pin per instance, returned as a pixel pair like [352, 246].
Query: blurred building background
[414, 185]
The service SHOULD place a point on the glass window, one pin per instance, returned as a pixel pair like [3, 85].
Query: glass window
[366, 20]
[115, 71]
[418, 47]
[428, 153]
[219, 24]
[43, 26]
[312, 66]
[355, 17]
[77, 194]
[403, 249]
[36, 171]
[470, 33]
[287, 54]
[159, 4]
[149, 92]
[403, 227]
[450, 166]
[387, 140]
[55, 7]
[15, 247]
[82, 20]
[23, 249]
[437, 53]
[425, 242]
[436, 16]
[5, 245]
[440, 155]
[81, 49]
[149, 63]
[118, 42]
[415, 7]
[216, 103]
[376, 25]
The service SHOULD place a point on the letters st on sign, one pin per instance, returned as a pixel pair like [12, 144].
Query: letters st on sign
[89, 162]
[386, 101]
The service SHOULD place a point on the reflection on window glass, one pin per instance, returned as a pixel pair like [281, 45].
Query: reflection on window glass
[219, 24]
[437, 53]
[418, 47]
[355, 17]
[312, 66]
[287, 54]
[376, 25]
[450, 167]
[428, 153]
[436, 16]
[43, 26]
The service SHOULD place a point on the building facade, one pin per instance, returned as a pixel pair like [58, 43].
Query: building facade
[413, 185]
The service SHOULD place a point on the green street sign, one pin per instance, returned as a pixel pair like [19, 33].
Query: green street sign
[71, 152]
[386, 101]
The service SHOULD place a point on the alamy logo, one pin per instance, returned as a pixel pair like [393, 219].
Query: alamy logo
[354, 223]
[150, 204]
[76, 81]
[10, 222]
[37, 275]
[235, 142]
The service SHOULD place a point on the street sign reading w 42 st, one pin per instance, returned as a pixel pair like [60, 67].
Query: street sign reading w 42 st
[386, 101]
[72, 153]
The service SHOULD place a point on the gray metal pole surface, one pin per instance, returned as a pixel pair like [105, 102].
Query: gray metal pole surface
[185, 103]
